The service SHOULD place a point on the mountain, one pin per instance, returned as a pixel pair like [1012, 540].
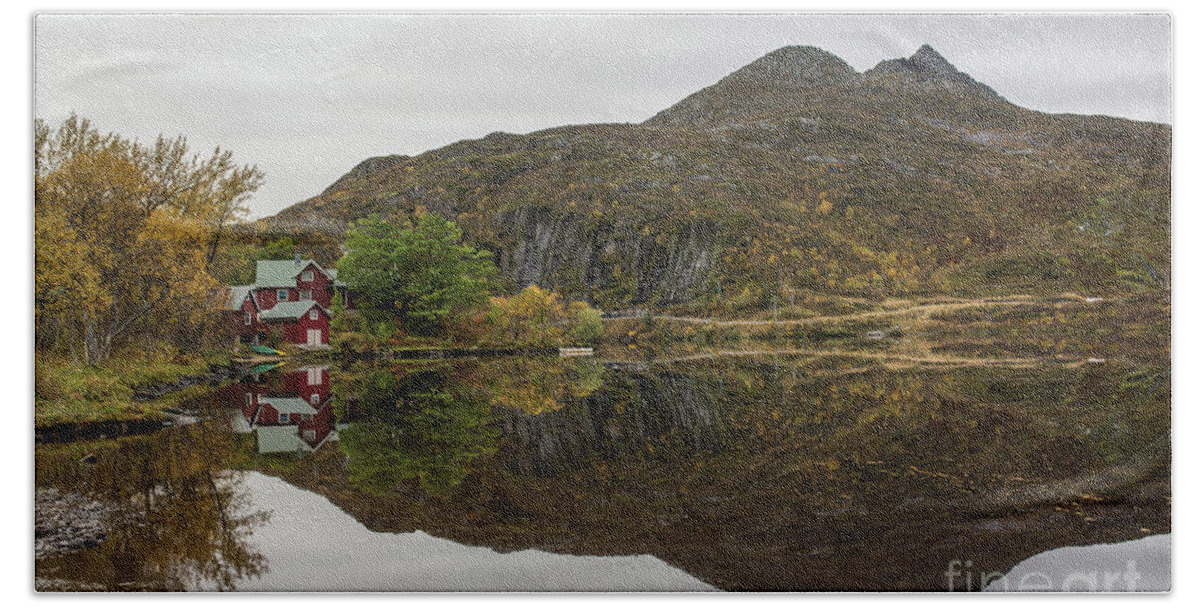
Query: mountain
[799, 78]
[928, 67]
[793, 177]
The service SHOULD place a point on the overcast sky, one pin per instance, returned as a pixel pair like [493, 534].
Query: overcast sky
[307, 97]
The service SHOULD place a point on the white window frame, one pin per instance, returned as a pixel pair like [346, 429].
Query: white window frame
[315, 399]
[249, 318]
[305, 294]
[306, 276]
[281, 295]
[312, 315]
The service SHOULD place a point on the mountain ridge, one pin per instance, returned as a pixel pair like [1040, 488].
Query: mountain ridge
[795, 174]
[789, 75]
[929, 66]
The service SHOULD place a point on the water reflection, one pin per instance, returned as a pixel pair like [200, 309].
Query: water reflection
[288, 410]
[175, 518]
[337, 553]
[429, 422]
[425, 425]
[763, 473]
[772, 472]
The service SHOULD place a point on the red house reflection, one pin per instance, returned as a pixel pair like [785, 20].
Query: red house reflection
[288, 410]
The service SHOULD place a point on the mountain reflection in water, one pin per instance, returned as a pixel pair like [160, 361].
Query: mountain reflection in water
[797, 473]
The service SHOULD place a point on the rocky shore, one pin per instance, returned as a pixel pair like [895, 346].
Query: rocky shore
[66, 522]
[215, 375]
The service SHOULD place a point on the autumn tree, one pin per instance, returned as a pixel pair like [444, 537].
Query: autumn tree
[124, 234]
[529, 318]
[539, 317]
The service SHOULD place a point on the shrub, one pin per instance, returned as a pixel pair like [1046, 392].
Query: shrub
[588, 324]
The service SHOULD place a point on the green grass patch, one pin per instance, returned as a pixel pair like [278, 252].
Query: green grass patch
[66, 392]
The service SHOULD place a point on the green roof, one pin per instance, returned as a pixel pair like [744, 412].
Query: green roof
[277, 439]
[237, 293]
[282, 273]
[291, 310]
[332, 272]
[264, 367]
[288, 405]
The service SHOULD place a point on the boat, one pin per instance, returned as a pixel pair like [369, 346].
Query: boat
[263, 349]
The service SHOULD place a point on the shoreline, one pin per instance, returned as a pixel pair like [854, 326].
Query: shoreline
[153, 407]
[126, 407]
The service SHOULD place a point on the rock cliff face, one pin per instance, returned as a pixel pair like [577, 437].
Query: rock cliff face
[644, 412]
[793, 174]
[547, 250]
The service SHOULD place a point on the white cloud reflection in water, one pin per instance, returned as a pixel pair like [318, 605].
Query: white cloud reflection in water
[312, 545]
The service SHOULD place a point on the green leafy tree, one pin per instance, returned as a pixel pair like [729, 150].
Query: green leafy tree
[279, 249]
[589, 324]
[423, 276]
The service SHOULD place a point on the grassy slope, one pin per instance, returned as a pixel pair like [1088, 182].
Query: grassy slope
[70, 393]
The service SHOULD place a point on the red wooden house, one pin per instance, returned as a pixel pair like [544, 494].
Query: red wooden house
[292, 296]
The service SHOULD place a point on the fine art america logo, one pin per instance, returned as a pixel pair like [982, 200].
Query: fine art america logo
[959, 574]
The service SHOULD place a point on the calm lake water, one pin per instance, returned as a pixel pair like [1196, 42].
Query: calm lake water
[757, 472]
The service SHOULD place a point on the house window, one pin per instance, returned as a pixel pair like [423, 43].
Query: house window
[312, 314]
[315, 399]
[306, 417]
[249, 318]
[284, 417]
[249, 398]
[306, 275]
[305, 294]
[282, 294]
[314, 375]
[310, 435]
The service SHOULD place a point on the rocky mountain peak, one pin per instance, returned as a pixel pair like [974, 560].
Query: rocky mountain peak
[797, 66]
[930, 61]
[929, 67]
[776, 81]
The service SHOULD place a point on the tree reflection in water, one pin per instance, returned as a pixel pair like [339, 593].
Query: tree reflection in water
[792, 473]
[423, 426]
[178, 519]
[429, 423]
[782, 473]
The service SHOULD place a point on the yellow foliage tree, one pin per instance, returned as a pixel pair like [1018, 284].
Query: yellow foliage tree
[540, 318]
[124, 234]
[530, 318]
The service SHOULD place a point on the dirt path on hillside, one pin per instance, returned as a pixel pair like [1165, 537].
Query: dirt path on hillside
[912, 354]
[922, 310]
[889, 359]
